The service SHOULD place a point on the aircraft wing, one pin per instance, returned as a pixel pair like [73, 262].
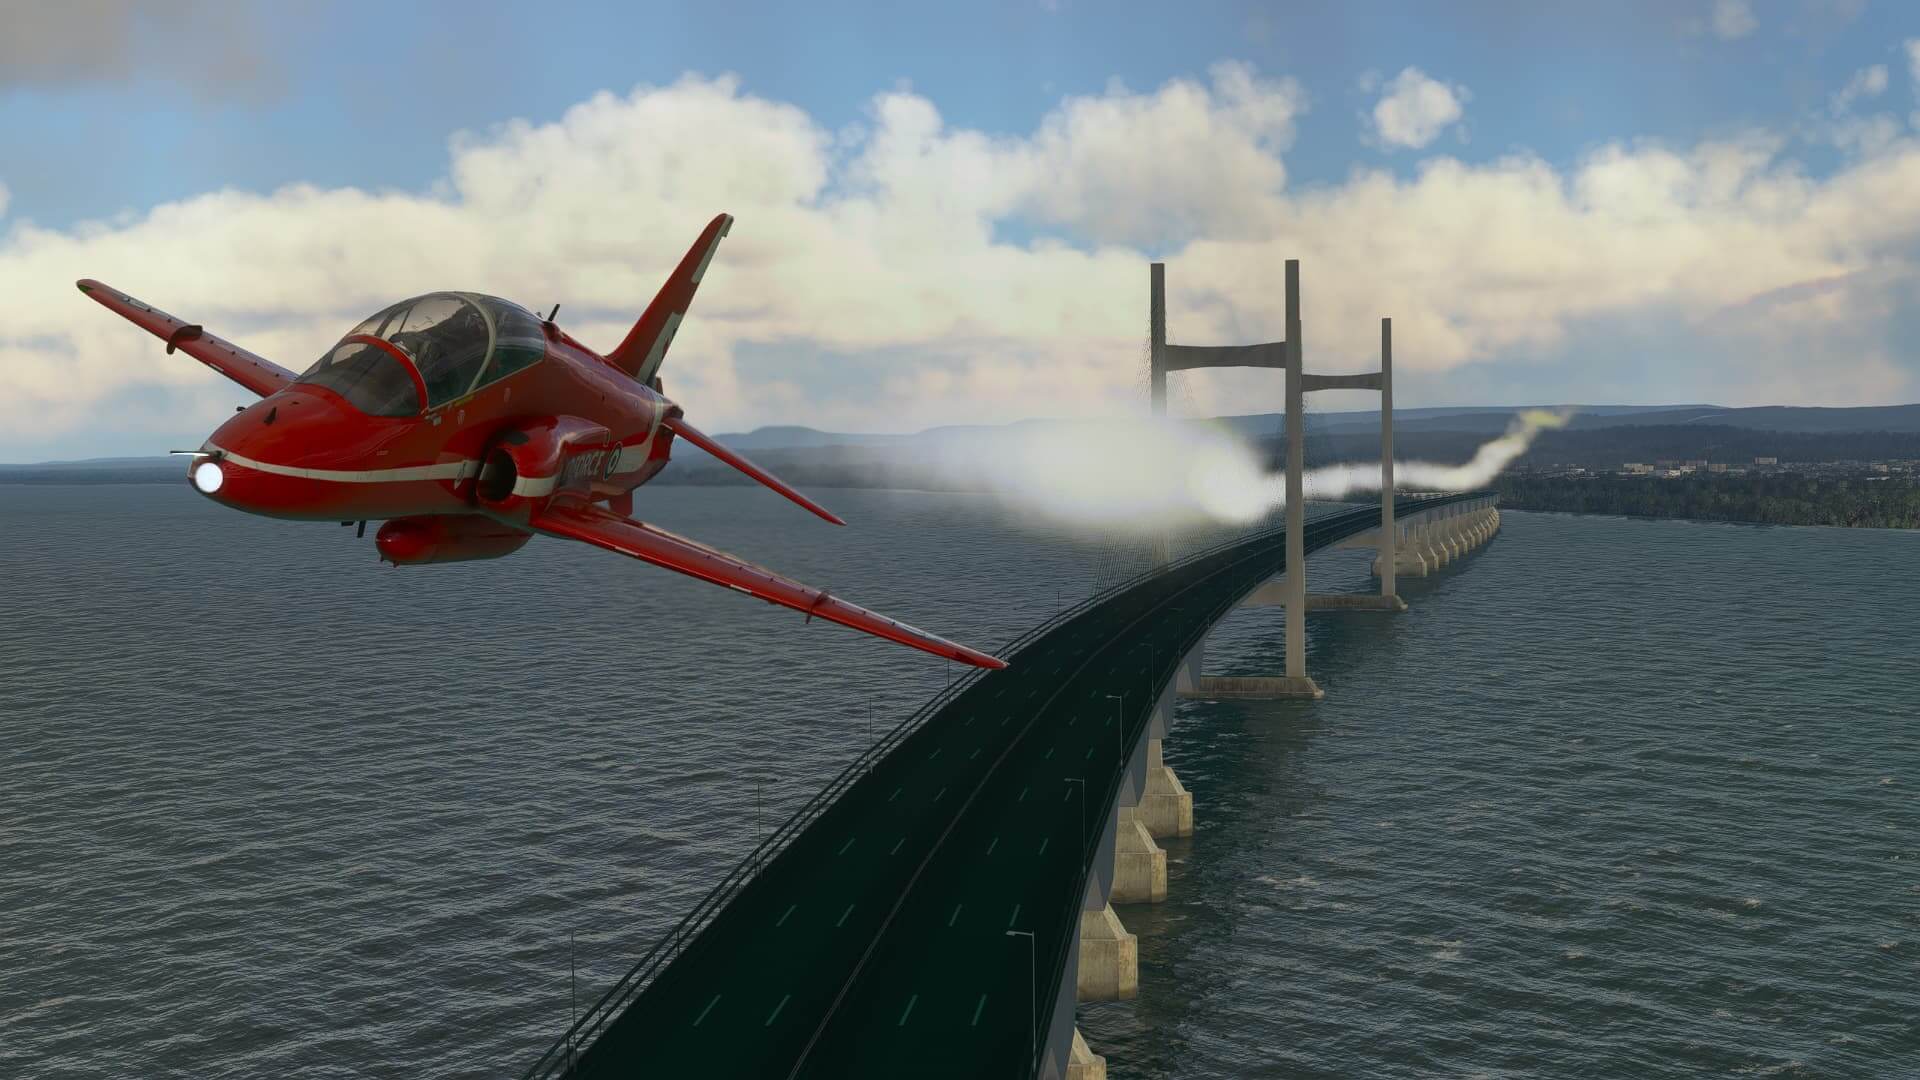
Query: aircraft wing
[256, 373]
[603, 528]
[679, 426]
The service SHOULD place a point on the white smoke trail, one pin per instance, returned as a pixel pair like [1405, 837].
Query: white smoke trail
[1489, 461]
[1153, 475]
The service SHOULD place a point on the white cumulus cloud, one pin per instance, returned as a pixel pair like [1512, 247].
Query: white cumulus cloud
[1415, 109]
[915, 272]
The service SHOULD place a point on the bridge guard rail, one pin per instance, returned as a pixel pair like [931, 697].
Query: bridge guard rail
[558, 1058]
[1342, 524]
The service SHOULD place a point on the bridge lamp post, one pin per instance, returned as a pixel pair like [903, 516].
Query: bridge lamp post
[1119, 724]
[1033, 1002]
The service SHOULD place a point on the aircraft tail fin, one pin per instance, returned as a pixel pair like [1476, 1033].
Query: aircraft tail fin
[646, 344]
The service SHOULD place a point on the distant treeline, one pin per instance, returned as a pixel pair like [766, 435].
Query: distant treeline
[1770, 500]
[1608, 448]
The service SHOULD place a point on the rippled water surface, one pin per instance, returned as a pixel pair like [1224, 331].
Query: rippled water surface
[1614, 798]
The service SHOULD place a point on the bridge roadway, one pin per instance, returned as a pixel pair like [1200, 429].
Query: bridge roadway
[874, 943]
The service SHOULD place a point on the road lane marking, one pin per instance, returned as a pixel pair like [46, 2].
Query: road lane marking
[1023, 795]
[995, 844]
[843, 917]
[943, 791]
[975, 754]
[1014, 916]
[1049, 756]
[1067, 794]
[896, 846]
[955, 915]
[705, 1011]
[976, 1011]
[908, 1011]
[1043, 844]
[789, 912]
[896, 794]
[845, 846]
[776, 1010]
[936, 752]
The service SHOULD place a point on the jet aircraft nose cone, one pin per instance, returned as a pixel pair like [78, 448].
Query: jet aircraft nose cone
[292, 428]
[267, 458]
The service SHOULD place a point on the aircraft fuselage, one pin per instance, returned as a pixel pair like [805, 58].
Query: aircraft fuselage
[303, 452]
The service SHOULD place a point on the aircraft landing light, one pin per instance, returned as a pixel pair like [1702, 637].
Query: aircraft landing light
[207, 477]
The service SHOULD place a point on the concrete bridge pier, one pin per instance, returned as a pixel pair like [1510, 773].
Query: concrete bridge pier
[1166, 807]
[1139, 864]
[1450, 533]
[1442, 536]
[1083, 1063]
[1455, 531]
[1407, 558]
[1109, 967]
[1190, 684]
[1437, 551]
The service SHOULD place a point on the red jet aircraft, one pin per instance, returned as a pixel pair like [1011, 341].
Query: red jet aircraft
[469, 424]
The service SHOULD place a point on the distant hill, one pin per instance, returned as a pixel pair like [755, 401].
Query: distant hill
[1469, 419]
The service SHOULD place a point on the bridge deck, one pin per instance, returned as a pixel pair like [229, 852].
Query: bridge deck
[876, 941]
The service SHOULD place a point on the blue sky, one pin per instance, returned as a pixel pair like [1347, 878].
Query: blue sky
[112, 115]
[357, 94]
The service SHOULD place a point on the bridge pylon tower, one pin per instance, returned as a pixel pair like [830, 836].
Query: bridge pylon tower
[1286, 356]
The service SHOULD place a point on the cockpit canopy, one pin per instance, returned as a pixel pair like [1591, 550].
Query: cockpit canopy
[460, 342]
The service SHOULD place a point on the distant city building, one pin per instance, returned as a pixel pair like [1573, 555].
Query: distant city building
[1716, 468]
[1766, 461]
[1634, 468]
[1698, 463]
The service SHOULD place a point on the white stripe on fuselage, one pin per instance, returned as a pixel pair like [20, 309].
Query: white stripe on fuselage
[446, 470]
[527, 487]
